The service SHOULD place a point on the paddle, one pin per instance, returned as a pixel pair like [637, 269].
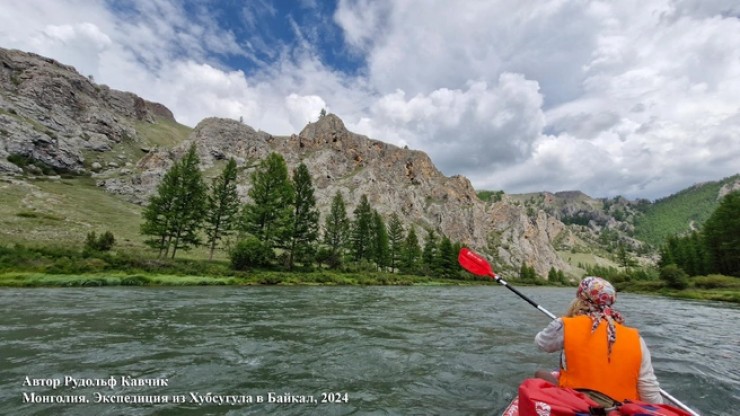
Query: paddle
[476, 264]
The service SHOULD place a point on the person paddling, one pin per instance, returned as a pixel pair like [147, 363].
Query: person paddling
[598, 352]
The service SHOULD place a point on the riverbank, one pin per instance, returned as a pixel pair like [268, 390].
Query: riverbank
[713, 288]
[35, 279]
[69, 267]
[326, 278]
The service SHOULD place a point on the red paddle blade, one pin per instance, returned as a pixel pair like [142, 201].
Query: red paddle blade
[474, 263]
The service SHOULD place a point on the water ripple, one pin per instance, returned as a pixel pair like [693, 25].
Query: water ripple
[394, 351]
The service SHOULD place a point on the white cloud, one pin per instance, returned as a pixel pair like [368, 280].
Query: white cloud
[636, 95]
[303, 109]
[478, 127]
[633, 97]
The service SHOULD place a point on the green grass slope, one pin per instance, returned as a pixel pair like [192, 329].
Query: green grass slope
[679, 213]
[62, 212]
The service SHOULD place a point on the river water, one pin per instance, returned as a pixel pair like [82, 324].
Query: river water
[369, 350]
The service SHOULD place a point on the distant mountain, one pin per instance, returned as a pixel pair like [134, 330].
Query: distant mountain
[602, 224]
[682, 212]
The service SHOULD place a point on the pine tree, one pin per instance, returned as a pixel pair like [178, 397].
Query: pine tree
[446, 259]
[623, 255]
[305, 224]
[361, 230]
[222, 207]
[158, 212]
[189, 208]
[395, 240]
[700, 253]
[722, 236]
[379, 241]
[268, 215]
[429, 253]
[527, 272]
[336, 230]
[411, 253]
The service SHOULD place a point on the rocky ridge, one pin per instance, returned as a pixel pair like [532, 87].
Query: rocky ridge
[394, 179]
[49, 113]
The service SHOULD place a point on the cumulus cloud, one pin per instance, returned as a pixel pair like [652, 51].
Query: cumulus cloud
[466, 130]
[635, 95]
[637, 98]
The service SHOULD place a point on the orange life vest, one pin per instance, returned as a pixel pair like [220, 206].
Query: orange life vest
[590, 367]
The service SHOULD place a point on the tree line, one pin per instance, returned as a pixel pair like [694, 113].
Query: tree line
[713, 249]
[281, 225]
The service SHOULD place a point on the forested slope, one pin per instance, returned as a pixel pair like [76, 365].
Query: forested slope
[679, 213]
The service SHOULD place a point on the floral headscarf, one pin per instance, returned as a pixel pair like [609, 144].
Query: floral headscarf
[600, 295]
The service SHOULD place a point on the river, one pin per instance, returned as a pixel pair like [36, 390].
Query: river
[363, 350]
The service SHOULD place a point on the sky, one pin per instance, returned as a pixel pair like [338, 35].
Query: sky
[632, 98]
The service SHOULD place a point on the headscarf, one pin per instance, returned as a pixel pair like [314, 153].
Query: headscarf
[599, 295]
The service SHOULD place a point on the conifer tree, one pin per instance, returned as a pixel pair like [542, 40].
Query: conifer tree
[158, 212]
[336, 230]
[189, 208]
[305, 223]
[268, 215]
[361, 230]
[379, 241]
[446, 261]
[700, 253]
[722, 236]
[527, 272]
[222, 207]
[623, 255]
[429, 253]
[395, 240]
[411, 253]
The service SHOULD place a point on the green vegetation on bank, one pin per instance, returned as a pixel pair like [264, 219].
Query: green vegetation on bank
[670, 281]
[325, 278]
[28, 266]
[22, 266]
[712, 287]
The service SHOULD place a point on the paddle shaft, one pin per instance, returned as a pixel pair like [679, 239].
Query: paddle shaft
[522, 295]
[548, 313]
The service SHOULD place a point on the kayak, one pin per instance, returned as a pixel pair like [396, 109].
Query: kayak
[513, 408]
[537, 397]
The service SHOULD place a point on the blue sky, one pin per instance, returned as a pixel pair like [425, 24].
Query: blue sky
[635, 98]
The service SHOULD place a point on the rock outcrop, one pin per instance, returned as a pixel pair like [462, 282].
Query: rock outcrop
[51, 114]
[394, 179]
[54, 117]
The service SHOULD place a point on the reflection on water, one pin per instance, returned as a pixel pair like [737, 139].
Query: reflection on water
[391, 350]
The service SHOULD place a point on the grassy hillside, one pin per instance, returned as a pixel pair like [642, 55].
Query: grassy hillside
[63, 211]
[678, 213]
[60, 212]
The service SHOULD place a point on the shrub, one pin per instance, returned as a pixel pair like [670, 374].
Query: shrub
[103, 243]
[643, 274]
[134, 280]
[716, 281]
[674, 277]
[248, 253]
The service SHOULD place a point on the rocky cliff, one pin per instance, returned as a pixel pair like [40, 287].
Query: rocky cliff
[394, 179]
[51, 114]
